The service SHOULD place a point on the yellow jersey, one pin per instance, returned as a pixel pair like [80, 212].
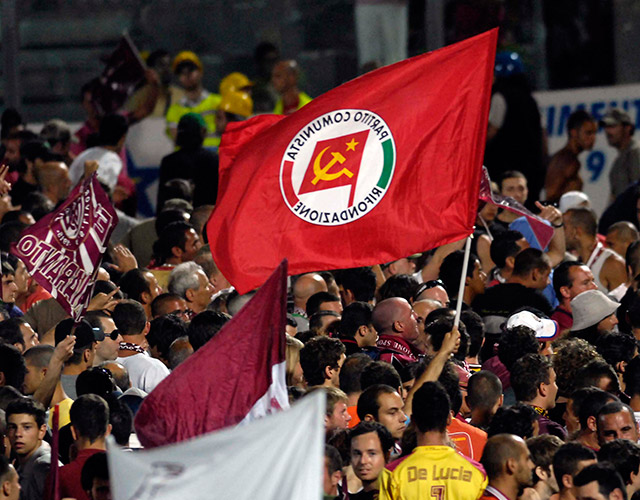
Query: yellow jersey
[434, 473]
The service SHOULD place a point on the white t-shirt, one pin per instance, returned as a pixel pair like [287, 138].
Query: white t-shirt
[109, 167]
[145, 372]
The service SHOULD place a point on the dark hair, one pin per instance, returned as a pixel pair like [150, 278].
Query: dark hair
[90, 416]
[316, 355]
[542, 449]
[163, 331]
[352, 370]
[27, 406]
[315, 321]
[204, 326]
[450, 380]
[632, 257]
[515, 343]
[10, 332]
[10, 233]
[475, 328]
[334, 460]
[113, 127]
[364, 427]
[530, 259]
[567, 458]
[437, 326]
[584, 218]
[354, 316]
[578, 118]
[380, 372]
[95, 380]
[399, 285]
[631, 377]
[173, 235]
[615, 407]
[96, 467]
[593, 371]
[129, 317]
[12, 365]
[159, 301]
[511, 174]
[570, 355]
[561, 276]
[39, 355]
[360, 280]
[616, 347]
[504, 245]
[624, 455]
[317, 299]
[133, 284]
[10, 118]
[517, 419]
[605, 475]
[368, 401]
[121, 420]
[450, 270]
[431, 407]
[591, 404]
[483, 390]
[527, 373]
[167, 216]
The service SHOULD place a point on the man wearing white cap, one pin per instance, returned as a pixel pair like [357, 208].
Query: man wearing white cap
[593, 315]
[573, 199]
[626, 167]
[546, 329]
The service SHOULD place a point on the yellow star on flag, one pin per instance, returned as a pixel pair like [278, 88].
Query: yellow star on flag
[351, 146]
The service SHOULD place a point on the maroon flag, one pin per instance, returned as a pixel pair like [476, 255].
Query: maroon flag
[62, 251]
[123, 72]
[542, 230]
[237, 376]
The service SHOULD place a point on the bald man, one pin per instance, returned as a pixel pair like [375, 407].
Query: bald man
[620, 235]
[508, 465]
[422, 308]
[303, 288]
[398, 331]
[53, 178]
[284, 79]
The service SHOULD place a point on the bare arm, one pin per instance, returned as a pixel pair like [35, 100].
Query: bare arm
[557, 245]
[434, 369]
[147, 106]
[615, 272]
[62, 352]
[432, 269]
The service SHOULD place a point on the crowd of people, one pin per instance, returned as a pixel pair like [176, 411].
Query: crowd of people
[535, 395]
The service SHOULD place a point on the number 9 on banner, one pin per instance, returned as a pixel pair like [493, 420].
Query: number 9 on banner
[595, 164]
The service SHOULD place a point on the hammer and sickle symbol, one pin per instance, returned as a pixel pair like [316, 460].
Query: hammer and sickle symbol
[322, 172]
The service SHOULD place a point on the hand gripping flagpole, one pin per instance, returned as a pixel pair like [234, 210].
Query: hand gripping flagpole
[463, 278]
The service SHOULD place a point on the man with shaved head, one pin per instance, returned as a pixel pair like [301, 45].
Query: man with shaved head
[398, 331]
[422, 308]
[284, 78]
[304, 287]
[508, 465]
[620, 235]
[53, 178]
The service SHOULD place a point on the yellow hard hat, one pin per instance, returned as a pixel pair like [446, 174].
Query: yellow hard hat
[234, 81]
[238, 103]
[186, 56]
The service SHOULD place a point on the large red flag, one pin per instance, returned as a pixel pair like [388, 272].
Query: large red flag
[237, 376]
[382, 167]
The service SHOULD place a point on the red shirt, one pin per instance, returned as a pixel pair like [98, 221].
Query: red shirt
[70, 485]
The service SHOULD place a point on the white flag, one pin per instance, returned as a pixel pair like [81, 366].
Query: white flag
[278, 457]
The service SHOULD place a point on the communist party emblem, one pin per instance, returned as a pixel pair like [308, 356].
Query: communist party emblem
[338, 167]
[335, 162]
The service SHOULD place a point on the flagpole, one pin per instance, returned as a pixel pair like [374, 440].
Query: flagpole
[463, 278]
